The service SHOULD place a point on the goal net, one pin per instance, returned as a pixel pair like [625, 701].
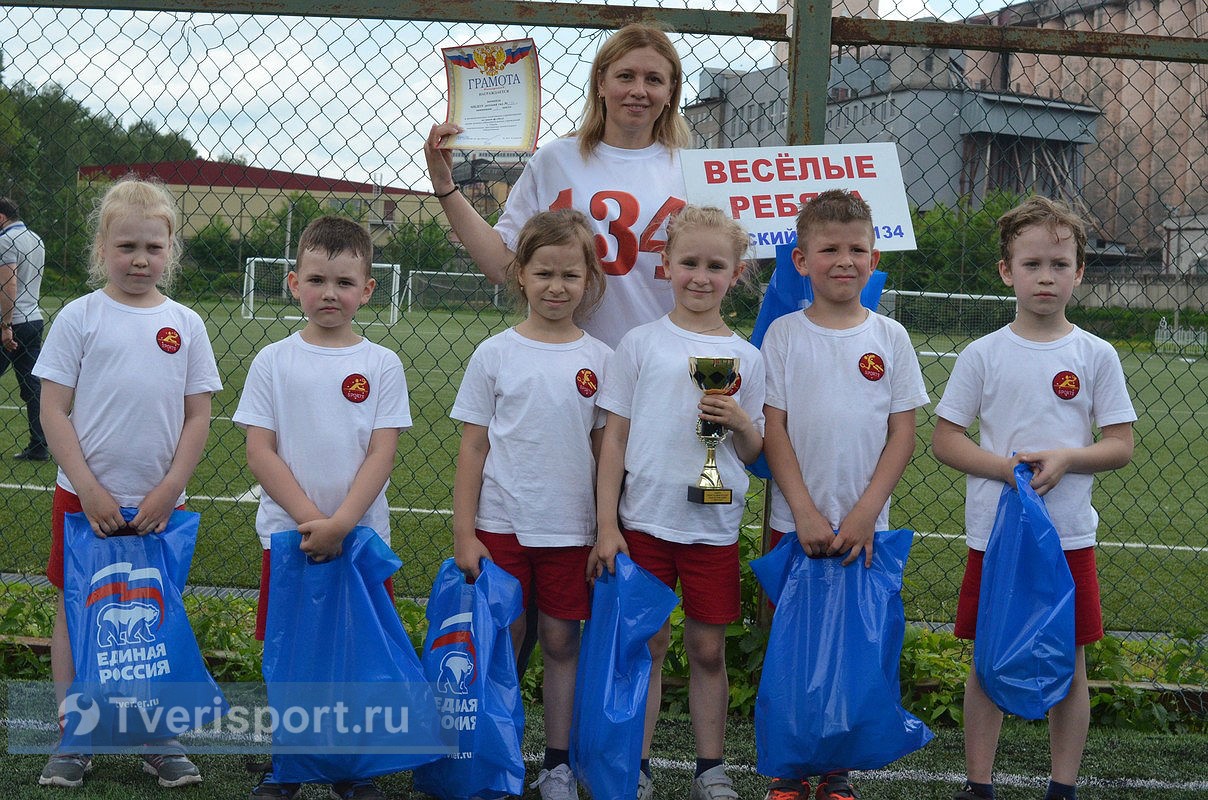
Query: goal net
[451, 291]
[266, 294]
[964, 315]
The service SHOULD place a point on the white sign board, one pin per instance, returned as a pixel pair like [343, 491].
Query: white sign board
[764, 187]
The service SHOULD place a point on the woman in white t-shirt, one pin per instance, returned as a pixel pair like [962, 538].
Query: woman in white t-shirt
[621, 168]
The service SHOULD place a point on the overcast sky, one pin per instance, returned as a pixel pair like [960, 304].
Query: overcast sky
[336, 97]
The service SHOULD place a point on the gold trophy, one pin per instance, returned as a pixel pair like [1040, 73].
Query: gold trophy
[711, 376]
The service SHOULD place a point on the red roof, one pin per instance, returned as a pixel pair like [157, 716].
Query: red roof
[200, 172]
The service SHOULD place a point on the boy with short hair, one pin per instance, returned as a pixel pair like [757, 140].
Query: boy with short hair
[323, 410]
[1037, 387]
[843, 384]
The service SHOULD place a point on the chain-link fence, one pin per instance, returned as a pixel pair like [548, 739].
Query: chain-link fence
[258, 124]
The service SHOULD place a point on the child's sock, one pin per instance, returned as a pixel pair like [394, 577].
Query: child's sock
[706, 764]
[554, 758]
[985, 790]
[645, 765]
[1060, 791]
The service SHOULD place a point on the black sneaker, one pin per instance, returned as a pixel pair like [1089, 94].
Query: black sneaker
[268, 789]
[32, 453]
[835, 787]
[967, 793]
[356, 790]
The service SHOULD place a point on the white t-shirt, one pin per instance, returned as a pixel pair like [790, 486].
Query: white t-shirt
[1029, 396]
[838, 388]
[649, 384]
[623, 193]
[324, 403]
[131, 369]
[538, 403]
[24, 248]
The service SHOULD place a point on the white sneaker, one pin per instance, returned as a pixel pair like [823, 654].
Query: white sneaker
[713, 784]
[645, 786]
[557, 784]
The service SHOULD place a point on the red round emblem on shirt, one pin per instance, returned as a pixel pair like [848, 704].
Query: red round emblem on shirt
[872, 366]
[355, 388]
[586, 382]
[1066, 385]
[168, 340]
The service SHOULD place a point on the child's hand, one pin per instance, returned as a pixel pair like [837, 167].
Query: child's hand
[855, 536]
[467, 553]
[1048, 468]
[322, 538]
[604, 554]
[724, 410]
[154, 511]
[102, 511]
[815, 533]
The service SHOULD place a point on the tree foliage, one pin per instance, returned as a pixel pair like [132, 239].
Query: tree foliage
[957, 249]
[424, 247]
[45, 137]
[267, 237]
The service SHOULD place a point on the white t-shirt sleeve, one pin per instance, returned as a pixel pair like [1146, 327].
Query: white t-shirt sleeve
[59, 360]
[475, 401]
[1112, 405]
[621, 376]
[256, 407]
[961, 401]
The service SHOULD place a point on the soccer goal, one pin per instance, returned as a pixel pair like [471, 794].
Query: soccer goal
[451, 291]
[266, 294]
[965, 315]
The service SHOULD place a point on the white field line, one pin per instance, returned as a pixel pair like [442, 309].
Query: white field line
[262, 744]
[252, 496]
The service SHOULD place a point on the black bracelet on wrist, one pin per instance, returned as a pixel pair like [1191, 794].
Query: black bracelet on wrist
[456, 187]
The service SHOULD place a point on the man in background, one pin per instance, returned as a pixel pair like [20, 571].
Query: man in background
[22, 258]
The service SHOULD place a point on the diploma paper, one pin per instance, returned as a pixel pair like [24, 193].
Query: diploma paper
[494, 95]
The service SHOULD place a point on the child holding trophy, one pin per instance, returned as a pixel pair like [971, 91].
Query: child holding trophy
[672, 517]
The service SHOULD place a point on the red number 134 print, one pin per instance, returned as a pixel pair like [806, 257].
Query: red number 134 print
[620, 210]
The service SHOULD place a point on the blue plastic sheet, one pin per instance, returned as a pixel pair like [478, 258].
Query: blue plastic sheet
[1023, 650]
[789, 291]
[613, 677]
[130, 637]
[468, 656]
[333, 640]
[829, 697]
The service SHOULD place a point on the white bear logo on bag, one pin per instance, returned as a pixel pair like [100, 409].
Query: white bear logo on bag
[456, 672]
[126, 623]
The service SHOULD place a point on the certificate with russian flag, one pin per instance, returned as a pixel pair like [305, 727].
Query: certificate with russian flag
[494, 95]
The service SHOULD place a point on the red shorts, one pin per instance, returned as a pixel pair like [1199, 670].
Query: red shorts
[64, 503]
[559, 574]
[1088, 615]
[262, 599]
[708, 574]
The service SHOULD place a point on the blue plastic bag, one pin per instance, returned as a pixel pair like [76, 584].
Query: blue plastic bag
[789, 291]
[829, 698]
[134, 652]
[468, 656]
[1023, 650]
[333, 640]
[613, 676]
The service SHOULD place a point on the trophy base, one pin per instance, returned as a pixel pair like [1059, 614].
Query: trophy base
[710, 497]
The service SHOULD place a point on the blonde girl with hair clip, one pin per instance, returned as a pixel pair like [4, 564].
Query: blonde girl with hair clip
[649, 457]
[524, 494]
[134, 448]
[621, 168]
